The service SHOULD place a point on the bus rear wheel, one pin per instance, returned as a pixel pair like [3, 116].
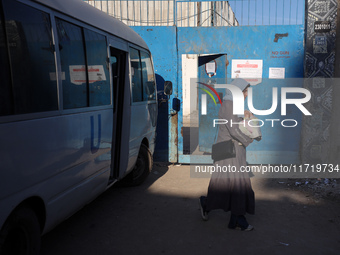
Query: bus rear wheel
[21, 233]
[142, 168]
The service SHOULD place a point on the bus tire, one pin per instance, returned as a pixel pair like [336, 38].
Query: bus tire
[21, 233]
[141, 169]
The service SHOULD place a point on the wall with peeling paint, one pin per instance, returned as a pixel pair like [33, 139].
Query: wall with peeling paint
[303, 54]
[163, 45]
[279, 145]
[168, 44]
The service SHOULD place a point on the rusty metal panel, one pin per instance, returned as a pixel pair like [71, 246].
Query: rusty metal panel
[162, 44]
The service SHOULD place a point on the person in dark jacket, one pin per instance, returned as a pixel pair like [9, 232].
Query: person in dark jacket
[231, 191]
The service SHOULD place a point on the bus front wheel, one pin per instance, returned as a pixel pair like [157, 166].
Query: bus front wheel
[142, 168]
[21, 233]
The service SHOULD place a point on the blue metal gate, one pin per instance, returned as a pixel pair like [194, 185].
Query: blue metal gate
[268, 30]
[278, 145]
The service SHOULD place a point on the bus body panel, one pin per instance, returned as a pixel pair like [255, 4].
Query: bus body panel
[65, 157]
[141, 112]
[61, 152]
[64, 204]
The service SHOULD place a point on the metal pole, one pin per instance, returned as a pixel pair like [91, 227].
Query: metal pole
[198, 14]
[248, 11]
[283, 15]
[168, 12]
[188, 14]
[297, 10]
[228, 13]
[121, 17]
[242, 13]
[276, 13]
[134, 16]
[154, 12]
[290, 12]
[256, 11]
[174, 12]
[161, 14]
[262, 13]
[269, 12]
[127, 13]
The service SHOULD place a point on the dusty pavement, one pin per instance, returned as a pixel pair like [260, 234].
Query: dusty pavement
[162, 217]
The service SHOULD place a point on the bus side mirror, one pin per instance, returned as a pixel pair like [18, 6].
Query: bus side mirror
[168, 88]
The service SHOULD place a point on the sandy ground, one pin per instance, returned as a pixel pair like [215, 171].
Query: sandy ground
[162, 217]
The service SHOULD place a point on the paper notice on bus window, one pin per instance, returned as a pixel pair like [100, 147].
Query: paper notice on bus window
[96, 73]
[276, 73]
[78, 75]
[248, 69]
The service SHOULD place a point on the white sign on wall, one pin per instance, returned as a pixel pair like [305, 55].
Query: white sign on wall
[248, 69]
[276, 73]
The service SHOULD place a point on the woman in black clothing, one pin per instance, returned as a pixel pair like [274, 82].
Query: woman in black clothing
[231, 191]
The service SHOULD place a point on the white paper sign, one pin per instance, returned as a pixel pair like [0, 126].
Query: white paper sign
[248, 69]
[276, 73]
[96, 73]
[210, 67]
[78, 75]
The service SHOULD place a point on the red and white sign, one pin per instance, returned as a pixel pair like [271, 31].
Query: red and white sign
[78, 75]
[248, 69]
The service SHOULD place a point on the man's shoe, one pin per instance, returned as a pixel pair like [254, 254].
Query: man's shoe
[249, 228]
[204, 213]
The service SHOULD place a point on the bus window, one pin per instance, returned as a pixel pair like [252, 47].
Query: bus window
[32, 60]
[149, 91]
[98, 72]
[137, 95]
[72, 57]
[6, 106]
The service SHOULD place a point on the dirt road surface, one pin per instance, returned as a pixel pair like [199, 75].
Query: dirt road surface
[162, 217]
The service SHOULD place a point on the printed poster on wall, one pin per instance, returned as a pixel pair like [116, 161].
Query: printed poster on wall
[276, 73]
[248, 69]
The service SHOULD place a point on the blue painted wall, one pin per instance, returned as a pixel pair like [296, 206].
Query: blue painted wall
[163, 46]
[279, 145]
